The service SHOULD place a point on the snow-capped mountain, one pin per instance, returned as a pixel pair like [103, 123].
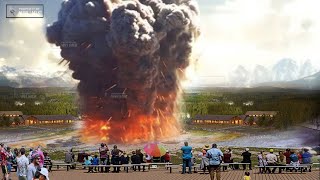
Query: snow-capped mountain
[10, 76]
[285, 70]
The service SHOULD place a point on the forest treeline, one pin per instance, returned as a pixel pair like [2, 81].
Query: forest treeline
[292, 107]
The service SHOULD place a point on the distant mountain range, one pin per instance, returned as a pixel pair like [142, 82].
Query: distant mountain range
[309, 82]
[285, 70]
[10, 76]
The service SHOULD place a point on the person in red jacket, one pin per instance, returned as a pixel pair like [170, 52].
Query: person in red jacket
[167, 157]
[3, 159]
[287, 155]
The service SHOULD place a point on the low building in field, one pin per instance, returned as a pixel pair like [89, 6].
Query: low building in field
[218, 119]
[30, 120]
[11, 113]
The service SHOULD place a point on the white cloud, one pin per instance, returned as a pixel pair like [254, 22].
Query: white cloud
[249, 32]
[29, 48]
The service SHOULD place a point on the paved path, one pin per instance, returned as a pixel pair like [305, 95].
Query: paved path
[165, 175]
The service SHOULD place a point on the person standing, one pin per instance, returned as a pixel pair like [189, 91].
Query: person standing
[22, 165]
[186, 157]
[167, 157]
[41, 155]
[115, 158]
[32, 168]
[104, 158]
[69, 158]
[215, 156]
[3, 160]
[246, 158]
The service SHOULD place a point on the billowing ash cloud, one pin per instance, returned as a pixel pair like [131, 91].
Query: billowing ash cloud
[128, 57]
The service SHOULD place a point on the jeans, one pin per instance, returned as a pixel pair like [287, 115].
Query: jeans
[186, 162]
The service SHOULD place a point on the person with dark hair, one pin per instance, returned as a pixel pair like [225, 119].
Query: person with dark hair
[95, 161]
[246, 176]
[32, 168]
[41, 174]
[306, 156]
[47, 161]
[186, 157]
[10, 159]
[287, 155]
[246, 158]
[139, 153]
[124, 159]
[215, 157]
[69, 158]
[226, 158]
[22, 165]
[135, 159]
[3, 161]
[104, 157]
[115, 158]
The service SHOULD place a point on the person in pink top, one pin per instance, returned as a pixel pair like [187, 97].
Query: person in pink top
[41, 155]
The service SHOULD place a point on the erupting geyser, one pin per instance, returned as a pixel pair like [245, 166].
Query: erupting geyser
[129, 57]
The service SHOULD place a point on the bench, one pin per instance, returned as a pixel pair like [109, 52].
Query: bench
[150, 164]
[301, 167]
[68, 165]
[196, 167]
[126, 166]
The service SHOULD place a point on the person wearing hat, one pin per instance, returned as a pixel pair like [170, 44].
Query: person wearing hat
[41, 174]
[32, 167]
[167, 157]
[246, 158]
[271, 161]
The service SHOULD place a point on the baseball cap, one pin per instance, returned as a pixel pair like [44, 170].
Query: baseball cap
[45, 173]
[271, 150]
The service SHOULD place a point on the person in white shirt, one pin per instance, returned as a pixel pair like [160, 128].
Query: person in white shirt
[271, 160]
[22, 165]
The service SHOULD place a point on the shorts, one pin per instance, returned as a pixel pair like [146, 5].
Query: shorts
[9, 167]
[4, 169]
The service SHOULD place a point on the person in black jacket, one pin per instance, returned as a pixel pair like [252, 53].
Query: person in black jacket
[135, 159]
[246, 158]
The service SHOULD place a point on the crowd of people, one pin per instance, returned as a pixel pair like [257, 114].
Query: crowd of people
[29, 167]
[211, 159]
[115, 156]
[36, 164]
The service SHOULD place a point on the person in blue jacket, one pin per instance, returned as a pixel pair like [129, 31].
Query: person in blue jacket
[186, 157]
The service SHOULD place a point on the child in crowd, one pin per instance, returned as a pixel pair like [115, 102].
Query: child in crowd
[87, 162]
[95, 161]
[246, 176]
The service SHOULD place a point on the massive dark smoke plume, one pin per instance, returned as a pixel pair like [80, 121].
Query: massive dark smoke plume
[129, 57]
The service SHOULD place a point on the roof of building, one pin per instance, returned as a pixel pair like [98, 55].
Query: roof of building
[248, 113]
[11, 113]
[217, 117]
[51, 117]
